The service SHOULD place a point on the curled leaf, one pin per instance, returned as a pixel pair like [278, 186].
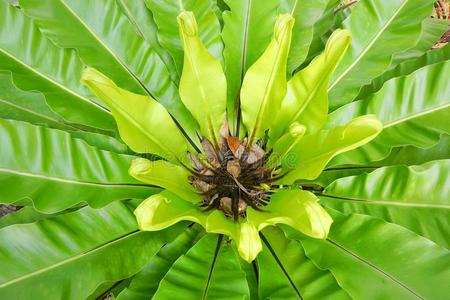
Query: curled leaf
[138, 118]
[264, 85]
[166, 175]
[165, 209]
[203, 86]
[310, 155]
[306, 100]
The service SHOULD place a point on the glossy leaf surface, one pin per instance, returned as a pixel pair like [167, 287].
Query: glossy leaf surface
[371, 259]
[418, 104]
[76, 260]
[137, 116]
[57, 172]
[246, 32]
[46, 68]
[415, 197]
[210, 270]
[378, 29]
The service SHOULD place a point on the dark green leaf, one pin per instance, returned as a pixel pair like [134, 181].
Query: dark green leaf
[68, 256]
[372, 259]
[58, 172]
[210, 270]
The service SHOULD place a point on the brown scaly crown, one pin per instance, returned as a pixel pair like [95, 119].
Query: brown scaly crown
[232, 176]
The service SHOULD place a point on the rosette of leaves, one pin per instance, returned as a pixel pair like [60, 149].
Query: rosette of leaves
[230, 149]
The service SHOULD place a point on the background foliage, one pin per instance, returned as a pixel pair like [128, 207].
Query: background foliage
[61, 157]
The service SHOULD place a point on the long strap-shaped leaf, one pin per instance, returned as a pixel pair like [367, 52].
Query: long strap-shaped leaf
[27, 106]
[306, 100]
[139, 119]
[418, 104]
[432, 30]
[264, 84]
[106, 39]
[246, 33]
[37, 64]
[166, 175]
[286, 273]
[142, 18]
[309, 156]
[146, 282]
[374, 25]
[203, 86]
[165, 15]
[57, 172]
[31, 107]
[210, 270]
[430, 57]
[421, 204]
[76, 251]
[372, 259]
[306, 14]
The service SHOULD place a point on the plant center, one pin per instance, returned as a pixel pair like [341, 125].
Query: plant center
[232, 176]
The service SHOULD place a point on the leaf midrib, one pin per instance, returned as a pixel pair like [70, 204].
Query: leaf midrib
[104, 46]
[52, 81]
[72, 181]
[280, 264]
[213, 264]
[70, 259]
[369, 46]
[383, 202]
[60, 122]
[374, 267]
[416, 115]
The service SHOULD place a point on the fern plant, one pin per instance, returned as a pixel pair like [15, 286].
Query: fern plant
[229, 149]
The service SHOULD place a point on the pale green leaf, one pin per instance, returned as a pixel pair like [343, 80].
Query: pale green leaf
[246, 33]
[165, 209]
[165, 15]
[166, 175]
[308, 158]
[306, 14]
[264, 85]
[296, 208]
[285, 144]
[306, 100]
[138, 118]
[203, 86]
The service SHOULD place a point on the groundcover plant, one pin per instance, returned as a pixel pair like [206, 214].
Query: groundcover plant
[234, 149]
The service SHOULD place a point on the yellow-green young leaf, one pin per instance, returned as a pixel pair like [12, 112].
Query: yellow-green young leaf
[203, 86]
[308, 157]
[264, 85]
[166, 175]
[298, 209]
[165, 209]
[306, 100]
[286, 143]
[244, 233]
[144, 124]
